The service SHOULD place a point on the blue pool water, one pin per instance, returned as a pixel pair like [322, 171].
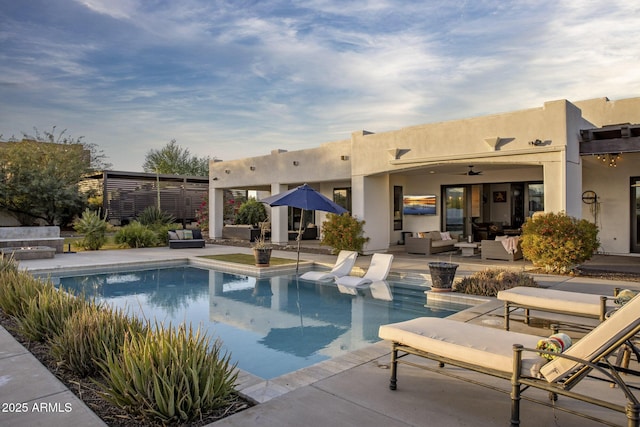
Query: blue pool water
[271, 326]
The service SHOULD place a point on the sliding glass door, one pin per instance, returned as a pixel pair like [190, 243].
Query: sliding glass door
[454, 209]
[635, 214]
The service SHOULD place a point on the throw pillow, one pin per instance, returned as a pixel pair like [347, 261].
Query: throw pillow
[445, 235]
[188, 235]
[421, 235]
[197, 234]
[180, 234]
[173, 235]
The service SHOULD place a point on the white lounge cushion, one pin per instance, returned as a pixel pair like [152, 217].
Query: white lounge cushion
[552, 300]
[595, 342]
[465, 342]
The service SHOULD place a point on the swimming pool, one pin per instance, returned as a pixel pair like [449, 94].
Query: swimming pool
[271, 326]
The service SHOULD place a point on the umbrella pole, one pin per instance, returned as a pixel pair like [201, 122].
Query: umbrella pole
[299, 238]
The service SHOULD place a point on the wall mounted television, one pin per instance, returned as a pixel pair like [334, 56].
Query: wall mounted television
[419, 205]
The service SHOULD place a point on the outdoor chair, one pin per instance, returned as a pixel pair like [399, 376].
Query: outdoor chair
[553, 301]
[514, 357]
[345, 262]
[378, 270]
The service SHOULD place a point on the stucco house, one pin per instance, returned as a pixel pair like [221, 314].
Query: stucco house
[582, 158]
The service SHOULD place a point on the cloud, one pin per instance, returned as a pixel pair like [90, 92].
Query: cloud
[231, 79]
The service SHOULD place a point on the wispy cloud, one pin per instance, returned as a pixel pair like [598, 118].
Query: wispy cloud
[237, 78]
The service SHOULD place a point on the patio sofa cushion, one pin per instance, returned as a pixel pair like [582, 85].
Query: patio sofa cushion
[428, 242]
[181, 239]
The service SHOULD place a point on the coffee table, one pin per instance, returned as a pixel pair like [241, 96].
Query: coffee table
[468, 249]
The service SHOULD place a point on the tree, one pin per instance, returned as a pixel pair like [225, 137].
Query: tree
[176, 160]
[39, 176]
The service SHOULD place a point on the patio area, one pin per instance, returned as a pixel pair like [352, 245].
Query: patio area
[351, 390]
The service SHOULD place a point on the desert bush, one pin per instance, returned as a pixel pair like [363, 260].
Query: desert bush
[173, 375]
[89, 335]
[136, 235]
[490, 281]
[162, 237]
[343, 232]
[93, 228]
[45, 314]
[558, 242]
[17, 288]
[153, 215]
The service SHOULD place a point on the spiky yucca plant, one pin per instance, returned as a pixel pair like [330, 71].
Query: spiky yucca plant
[46, 313]
[173, 375]
[17, 288]
[89, 334]
[152, 215]
[93, 228]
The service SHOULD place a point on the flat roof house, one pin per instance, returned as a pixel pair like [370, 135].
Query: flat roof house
[579, 157]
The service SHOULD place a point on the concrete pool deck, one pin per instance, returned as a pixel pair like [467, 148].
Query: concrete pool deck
[349, 390]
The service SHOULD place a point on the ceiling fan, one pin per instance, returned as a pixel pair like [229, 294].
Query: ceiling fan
[471, 172]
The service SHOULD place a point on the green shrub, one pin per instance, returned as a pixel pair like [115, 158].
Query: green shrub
[46, 313]
[490, 281]
[558, 242]
[17, 288]
[89, 334]
[162, 237]
[173, 376]
[343, 232]
[153, 215]
[136, 235]
[251, 212]
[93, 228]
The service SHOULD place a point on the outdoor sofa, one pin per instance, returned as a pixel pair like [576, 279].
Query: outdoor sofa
[429, 242]
[497, 249]
[183, 239]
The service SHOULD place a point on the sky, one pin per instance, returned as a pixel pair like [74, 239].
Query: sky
[233, 79]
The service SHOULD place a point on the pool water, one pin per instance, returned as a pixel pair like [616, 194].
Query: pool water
[271, 326]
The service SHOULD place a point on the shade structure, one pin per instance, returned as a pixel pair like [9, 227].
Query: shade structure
[305, 198]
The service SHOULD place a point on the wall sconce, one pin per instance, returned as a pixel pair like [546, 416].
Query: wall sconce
[296, 163]
[344, 158]
[227, 171]
[252, 168]
[536, 143]
[215, 178]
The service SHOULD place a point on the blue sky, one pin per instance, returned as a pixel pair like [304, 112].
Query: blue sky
[231, 79]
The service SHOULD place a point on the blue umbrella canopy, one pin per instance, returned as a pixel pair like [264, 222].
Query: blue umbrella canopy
[304, 197]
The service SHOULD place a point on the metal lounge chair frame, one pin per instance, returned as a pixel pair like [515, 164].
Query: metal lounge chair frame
[554, 301]
[560, 375]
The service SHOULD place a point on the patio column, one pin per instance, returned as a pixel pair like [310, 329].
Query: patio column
[371, 200]
[216, 213]
[279, 234]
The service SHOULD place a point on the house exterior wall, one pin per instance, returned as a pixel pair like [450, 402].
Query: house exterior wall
[533, 145]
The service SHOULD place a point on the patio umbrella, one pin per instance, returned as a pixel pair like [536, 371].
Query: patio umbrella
[305, 198]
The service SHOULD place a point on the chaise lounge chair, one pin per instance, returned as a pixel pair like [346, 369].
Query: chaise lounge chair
[378, 270]
[553, 301]
[513, 357]
[345, 262]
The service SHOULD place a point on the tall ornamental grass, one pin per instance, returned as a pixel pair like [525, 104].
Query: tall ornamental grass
[174, 375]
[89, 335]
